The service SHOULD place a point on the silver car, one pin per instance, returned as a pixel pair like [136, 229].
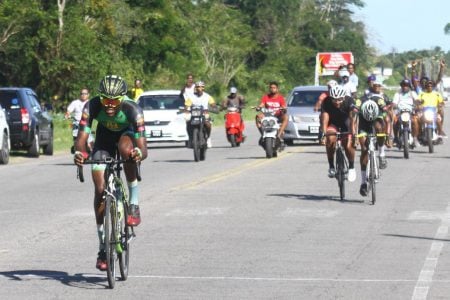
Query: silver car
[304, 122]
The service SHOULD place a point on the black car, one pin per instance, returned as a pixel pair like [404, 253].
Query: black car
[30, 126]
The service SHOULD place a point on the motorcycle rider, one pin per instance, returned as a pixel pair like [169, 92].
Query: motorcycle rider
[429, 97]
[120, 125]
[337, 115]
[75, 109]
[200, 97]
[371, 109]
[275, 101]
[406, 98]
[235, 99]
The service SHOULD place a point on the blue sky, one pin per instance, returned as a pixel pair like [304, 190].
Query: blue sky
[405, 24]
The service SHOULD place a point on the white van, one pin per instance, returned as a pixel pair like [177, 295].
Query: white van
[163, 120]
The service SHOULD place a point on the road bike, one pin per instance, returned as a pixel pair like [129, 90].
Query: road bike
[372, 169]
[117, 234]
[341, 162]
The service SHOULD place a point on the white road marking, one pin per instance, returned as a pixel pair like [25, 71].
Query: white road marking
[425, 279]
[230, 278]
[312, 213]
[426, 215]
[209, 211]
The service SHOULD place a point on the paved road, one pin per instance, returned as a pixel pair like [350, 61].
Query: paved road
[236, 226]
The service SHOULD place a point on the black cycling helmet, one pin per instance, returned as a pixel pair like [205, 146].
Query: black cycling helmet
[112, 86]
[405, 82]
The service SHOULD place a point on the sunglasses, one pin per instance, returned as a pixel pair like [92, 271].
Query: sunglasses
[337, 99]
[111, 102]
[84, 93]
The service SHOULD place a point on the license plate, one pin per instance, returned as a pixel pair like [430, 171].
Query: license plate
[156, 133]
[314, 129]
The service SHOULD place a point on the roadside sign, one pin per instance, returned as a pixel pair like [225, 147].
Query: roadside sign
[328, 62]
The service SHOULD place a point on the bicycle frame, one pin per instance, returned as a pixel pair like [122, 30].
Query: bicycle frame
[117, 234]
[341, 162]
[372, 168]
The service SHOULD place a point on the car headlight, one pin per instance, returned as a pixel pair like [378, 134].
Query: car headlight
[296, 119]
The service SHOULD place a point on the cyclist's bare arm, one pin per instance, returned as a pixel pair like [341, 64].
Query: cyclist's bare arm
[141, 143]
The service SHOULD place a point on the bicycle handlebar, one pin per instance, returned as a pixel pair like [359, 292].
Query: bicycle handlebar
[338, 133]
[371, 134]
[108, 160]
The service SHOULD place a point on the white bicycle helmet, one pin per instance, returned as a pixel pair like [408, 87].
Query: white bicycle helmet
[369, 110]
[337, 92]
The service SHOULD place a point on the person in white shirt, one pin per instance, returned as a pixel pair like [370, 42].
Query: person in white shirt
[75, 108]
[189, 88]
[353, 77]
[405, 99]
[200, 97]
[345, 82]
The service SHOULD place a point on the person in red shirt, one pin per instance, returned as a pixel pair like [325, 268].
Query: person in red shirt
[274, 100]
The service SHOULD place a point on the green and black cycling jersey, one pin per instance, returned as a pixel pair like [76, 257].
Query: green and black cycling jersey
[128, 118]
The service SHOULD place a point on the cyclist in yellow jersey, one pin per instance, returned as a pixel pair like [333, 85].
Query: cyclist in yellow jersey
[429, 97]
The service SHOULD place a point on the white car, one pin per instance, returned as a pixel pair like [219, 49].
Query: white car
[5, 142]
[163, 120]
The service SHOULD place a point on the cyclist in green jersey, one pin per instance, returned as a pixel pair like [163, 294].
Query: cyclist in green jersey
[120, 125]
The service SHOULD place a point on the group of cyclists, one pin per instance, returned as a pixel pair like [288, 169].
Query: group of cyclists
[120, 126]
[342, 110]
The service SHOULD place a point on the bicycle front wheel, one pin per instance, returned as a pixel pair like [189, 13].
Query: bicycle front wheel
[372, 177]
[110, 240]
[340, 172]
[125, 234]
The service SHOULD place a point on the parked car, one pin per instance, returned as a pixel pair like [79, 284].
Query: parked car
[30, 126]
[5, 143]
[304, 122]
[163, 120]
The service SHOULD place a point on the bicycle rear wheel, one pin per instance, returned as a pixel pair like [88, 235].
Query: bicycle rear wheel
[125, 236]
[110, 238]
[372, 177]
[340, 172]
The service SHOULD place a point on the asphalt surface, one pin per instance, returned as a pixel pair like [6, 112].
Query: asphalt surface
[236, 226]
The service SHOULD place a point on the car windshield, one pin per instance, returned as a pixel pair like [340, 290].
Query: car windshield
[9, 100]
[154, 102]
[304, 98]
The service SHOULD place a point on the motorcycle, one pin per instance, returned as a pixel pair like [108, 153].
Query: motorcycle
[429, 135]
[270, 126]
[405, 139]
[234, 126]
[74, 125]
[196, 119]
